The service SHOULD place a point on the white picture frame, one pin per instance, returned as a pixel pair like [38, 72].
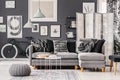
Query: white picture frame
[73, 24]
[47, 7]
[44, 30]
[10, 4]
[88, 7]
[55, 30]
[70, 35]
[1, 19]
[35, 28]
[3, 28]
[14, 26]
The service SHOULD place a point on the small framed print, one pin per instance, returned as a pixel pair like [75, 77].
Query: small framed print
[88, 7]
[43, 30]
[35, 28]
[2, 28]
[1, 19]
[73, 24]
[55, 30]
[70, 35]
[10, 4]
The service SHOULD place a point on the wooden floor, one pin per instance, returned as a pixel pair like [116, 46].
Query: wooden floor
[86, 75]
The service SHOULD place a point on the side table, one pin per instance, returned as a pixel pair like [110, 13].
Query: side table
[55, 58]
[114, 59]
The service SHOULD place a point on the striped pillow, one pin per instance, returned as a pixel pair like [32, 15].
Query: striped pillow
[60, 46]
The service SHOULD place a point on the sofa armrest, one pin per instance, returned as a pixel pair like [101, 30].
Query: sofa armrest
[30, 53]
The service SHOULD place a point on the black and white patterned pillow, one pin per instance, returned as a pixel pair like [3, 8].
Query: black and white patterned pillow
[38, 45]
[85, 45]
[60, 46]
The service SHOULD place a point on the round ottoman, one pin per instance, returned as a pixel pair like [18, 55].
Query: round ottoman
[20, 70]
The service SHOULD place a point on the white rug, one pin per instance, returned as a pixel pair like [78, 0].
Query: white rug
[50, 75]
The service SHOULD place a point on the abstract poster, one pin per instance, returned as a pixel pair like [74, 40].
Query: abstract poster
[14, 26]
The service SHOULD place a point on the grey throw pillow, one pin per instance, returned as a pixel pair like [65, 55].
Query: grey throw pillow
[60, 46]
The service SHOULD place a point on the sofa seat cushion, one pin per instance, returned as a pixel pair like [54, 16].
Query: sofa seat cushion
[42, 54]
[91, 56]
[41, 62]
[67, 55]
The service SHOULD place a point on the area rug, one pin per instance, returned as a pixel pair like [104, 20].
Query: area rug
[50, 75]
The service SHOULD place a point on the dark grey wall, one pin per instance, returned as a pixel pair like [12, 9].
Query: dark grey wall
[65, 8]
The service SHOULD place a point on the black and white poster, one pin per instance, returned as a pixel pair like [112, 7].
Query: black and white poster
[14, 26]
[43, 30]
[55, 30]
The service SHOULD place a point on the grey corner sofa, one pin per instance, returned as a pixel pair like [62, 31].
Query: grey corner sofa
[67, 58]
[71, 58]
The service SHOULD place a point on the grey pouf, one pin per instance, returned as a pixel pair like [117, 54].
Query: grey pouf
[19, 70]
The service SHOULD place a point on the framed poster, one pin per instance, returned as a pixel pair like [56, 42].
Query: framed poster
[43, 30]
[73, 24]
[14, 26]
[70, 35]
[10, 4]
[2, 28]
[43, 10]
[88, 7]
[35, 28]
[55, 30]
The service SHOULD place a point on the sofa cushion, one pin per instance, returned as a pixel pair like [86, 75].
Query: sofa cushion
[85, 45]
[91, 56]
[71, 45]
[60, 46]
[50, 45]
[67, 55]
[64, 62]
[98, 46]
[37, 45]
